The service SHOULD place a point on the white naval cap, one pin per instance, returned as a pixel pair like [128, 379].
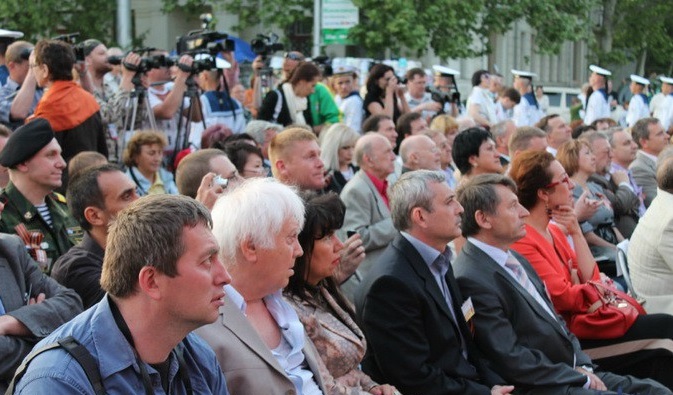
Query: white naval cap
[10, 34]
[524, 74]
[666, 80]
[444, 71]
[639, 80]
[345, 69]
[600, 70]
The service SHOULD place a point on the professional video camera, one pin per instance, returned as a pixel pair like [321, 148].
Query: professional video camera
[443, 97]
[71, 38]
[146, 62]
[266, 45]
[198, 43]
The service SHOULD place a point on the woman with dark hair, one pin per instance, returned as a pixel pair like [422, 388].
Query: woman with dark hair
[328, 317]
[474, 152]
[289, 104]
[600, 231]
[383, 95]
[247, 158]
[570, 273]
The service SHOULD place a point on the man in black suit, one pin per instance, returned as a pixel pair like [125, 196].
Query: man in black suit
[515, 323]
[409, 306]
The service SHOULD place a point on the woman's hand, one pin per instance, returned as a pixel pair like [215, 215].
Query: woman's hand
[564, 215]
[392, 85]
[384, 389]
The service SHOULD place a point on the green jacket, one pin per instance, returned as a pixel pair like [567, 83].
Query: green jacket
[56, 240]
[323, 107]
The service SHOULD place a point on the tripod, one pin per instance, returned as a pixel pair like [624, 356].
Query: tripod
[138, 95]
[182, 139]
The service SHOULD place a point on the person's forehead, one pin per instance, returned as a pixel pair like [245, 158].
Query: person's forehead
[112, 183]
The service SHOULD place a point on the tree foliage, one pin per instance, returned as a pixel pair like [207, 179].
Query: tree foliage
[48, 18]
[635, 30]
[452, 28]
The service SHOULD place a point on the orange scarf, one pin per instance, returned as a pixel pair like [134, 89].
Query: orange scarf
[65, 105]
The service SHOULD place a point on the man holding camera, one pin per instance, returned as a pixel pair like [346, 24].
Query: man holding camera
[164, 96]
[419, 100]
[19, 69]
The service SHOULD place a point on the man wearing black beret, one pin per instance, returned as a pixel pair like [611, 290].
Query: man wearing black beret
[33, 211]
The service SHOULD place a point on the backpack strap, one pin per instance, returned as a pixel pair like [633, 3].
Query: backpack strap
[77, 351]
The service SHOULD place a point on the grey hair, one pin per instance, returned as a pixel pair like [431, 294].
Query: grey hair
[257, 129]
[255, 211]
[332, 139]
[500, 128]
[611, 133]
[411, 191]
[592, 136]
[478, 194]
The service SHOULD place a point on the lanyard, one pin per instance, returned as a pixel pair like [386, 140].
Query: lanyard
[147, 383]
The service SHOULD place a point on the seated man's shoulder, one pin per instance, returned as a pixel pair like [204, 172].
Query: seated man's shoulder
[75, 257]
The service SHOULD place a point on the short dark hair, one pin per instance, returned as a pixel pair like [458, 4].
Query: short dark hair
[84, 191]
[306, 71]
[404, 123]
[192, 168]
[512, 94]
[239, 151]
[371, 124]
[411, 73]
[544, 122]
[665, 174]
[476, 77]
[478, 193]
[641, 130]
[466, 144]
[59, 58]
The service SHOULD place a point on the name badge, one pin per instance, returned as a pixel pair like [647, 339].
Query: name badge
[468, 309]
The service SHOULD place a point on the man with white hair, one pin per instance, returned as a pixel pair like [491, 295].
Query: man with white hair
[259, 341]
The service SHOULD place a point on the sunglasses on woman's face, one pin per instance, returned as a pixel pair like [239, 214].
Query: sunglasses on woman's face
[293, 56]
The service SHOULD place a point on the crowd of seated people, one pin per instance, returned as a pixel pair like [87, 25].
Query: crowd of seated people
[370, 259]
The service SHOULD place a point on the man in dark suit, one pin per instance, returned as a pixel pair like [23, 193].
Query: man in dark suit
[409, 306]
[515, 323]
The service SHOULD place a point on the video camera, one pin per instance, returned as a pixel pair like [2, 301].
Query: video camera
[266, 45]
[443, 97]
[71, 38]
[203, 42]
[146, 62]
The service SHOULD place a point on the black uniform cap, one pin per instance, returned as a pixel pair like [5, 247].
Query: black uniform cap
[26, 141]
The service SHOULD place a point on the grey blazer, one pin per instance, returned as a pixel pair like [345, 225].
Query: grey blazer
[367, 214]
[644, 172]
[18, 274]
[247, 363]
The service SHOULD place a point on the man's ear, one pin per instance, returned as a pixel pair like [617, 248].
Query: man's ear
[249, 250]
[483, 220]
[93, 216]
[149, 280]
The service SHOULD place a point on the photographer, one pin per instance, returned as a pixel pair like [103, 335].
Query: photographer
[19, 69]
[165, 96]
[444, 84]
[218, 105]
[419, 100]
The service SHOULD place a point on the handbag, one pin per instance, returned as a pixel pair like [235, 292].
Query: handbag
[607, 314]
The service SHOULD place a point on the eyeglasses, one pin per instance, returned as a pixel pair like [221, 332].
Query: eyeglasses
[293, 56]
[564, 180]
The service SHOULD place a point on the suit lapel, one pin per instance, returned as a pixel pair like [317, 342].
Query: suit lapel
[478, 255]
[383, 210]
[235, 321]
[418, 265]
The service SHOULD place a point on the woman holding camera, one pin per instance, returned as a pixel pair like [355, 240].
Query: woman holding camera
[289, 103]
[384, 96]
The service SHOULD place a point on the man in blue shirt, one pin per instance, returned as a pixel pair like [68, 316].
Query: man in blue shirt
[163, 279]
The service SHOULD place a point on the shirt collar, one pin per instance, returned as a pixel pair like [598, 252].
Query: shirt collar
[380, 185]
[429, 254]
[496, 254]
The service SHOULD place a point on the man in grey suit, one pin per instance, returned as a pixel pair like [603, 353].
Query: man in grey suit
[651, 139]
[409, 305]
[32, 305]
[366, 200]
[515, 324]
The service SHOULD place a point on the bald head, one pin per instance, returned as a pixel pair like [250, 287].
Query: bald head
[420, 152]
[374, 154]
